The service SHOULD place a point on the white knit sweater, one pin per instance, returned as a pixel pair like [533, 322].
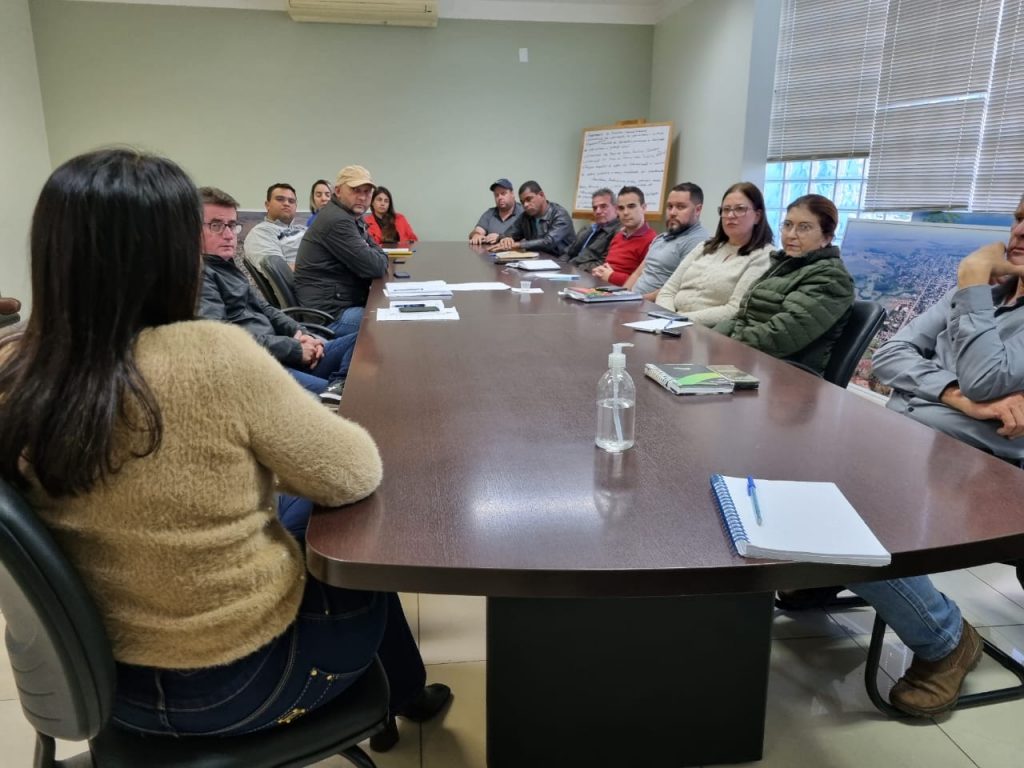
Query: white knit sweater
[708, 288]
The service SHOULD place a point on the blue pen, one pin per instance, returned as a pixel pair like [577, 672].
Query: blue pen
[752, 493]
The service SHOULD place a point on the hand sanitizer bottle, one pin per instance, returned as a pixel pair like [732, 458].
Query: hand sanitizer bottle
[616, 405]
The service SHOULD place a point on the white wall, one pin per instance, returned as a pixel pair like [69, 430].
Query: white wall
[24, 160]
[712, 74]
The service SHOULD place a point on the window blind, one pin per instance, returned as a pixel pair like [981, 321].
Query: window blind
[826, 78]
[935, 74]
[1000, 178]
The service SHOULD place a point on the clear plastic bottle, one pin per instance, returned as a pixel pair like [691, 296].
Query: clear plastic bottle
[616, 405]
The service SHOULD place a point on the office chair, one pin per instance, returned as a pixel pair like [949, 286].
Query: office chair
[65, 675]
[276, 282]
[865, 320]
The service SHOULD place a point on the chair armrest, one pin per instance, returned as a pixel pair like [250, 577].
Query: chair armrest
[319, 330]
[318, 314]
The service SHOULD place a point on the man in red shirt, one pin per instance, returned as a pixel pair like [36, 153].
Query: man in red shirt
[629, 246]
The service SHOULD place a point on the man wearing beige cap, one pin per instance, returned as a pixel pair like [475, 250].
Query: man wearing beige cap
[337, 259]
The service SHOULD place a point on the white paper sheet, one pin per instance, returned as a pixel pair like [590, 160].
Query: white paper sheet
[477, 287]
[658, 325]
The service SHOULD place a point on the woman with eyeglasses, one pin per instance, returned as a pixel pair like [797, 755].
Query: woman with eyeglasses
[796, 310]
[117, 422]
[319, 196]
[710, 281]
[384, 224]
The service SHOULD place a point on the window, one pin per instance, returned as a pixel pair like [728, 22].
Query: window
[932, 91]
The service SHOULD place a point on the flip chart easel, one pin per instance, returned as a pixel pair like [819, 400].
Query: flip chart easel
[631, 153]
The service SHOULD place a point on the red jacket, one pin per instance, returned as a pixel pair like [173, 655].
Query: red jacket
[626, 253]
[405, 232]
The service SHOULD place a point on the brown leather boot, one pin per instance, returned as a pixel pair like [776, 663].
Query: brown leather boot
[930, 687]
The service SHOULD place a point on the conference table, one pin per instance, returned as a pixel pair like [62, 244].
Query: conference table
[622, 627]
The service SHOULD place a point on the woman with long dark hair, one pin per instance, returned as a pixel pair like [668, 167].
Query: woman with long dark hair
[119, 421]
[384, 224]
[710, 281]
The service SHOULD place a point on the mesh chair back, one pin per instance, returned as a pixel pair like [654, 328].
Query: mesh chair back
[265, 286]
[865, 321]
[55, 638]
[281, 277]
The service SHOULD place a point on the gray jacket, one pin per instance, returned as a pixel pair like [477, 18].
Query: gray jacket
[587, 252]
[337, 261]
[551, 232]
[966, 338]
[229, 297]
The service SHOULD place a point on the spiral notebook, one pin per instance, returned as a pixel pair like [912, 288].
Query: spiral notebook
[808, 522]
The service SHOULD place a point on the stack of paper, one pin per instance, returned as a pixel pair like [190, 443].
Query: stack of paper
[534, 266]
[415, 290]
[440, 311]
[657, 325]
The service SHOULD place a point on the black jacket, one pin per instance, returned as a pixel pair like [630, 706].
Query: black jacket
[551, 232]
[596, 250]
[229, 297]
[337, 261]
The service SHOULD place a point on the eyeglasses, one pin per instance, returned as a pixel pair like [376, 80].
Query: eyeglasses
[803, 228]
[733, 210]
[216, 226]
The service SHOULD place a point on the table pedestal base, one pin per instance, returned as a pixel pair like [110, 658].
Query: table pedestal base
[653, 682]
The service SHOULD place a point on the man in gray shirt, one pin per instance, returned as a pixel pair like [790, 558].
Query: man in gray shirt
[277, 234]
[683, 232]
[496, 221]
[959, 366]
[591, 245]
[544, 226]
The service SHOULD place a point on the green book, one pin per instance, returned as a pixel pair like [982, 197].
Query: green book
[688, 379]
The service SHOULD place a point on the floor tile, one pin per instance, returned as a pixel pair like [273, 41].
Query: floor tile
[791, 624]
[991, 734]
[8, 691]
[458, 738]
[405, 754]
[452, 628]
[1002, 578]
[819, 715]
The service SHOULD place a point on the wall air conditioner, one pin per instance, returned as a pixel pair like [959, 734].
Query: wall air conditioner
[399, 13]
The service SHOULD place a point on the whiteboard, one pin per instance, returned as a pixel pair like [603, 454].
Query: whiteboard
[615, 157]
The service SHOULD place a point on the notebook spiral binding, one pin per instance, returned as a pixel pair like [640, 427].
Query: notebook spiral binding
[730, 517]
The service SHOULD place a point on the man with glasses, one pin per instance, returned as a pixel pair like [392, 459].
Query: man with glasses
[228, 296]
[590, 248]
[277, 234]
[337, 257]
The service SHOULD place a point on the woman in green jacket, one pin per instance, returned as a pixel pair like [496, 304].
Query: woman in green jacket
[797, 309]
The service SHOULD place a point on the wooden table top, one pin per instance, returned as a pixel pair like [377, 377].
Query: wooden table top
[493, 484]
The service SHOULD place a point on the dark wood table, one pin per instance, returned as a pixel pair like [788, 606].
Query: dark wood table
[617, 609]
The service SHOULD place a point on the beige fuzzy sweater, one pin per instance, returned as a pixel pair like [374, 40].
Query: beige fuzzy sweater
[708, 287]
[182, 549]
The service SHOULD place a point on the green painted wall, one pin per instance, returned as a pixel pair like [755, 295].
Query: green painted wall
[24, 164]
[245, 98]
[713, 70]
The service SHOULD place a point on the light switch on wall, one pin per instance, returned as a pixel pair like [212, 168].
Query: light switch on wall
[524, 55]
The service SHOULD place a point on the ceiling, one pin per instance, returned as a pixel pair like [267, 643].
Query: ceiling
[576, 11]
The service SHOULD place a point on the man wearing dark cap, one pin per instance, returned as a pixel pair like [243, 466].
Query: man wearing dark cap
[496, 221]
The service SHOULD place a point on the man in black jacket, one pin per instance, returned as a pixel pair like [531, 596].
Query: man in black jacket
[337, 259]
[543, 226]
[228, 296]
[590, 248]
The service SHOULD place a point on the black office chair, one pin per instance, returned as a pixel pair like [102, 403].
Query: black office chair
[864, 323]
[276, 282]
[65, 675]
[865, 320]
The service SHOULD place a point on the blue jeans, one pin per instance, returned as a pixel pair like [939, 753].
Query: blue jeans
[348, 321]
[332, 641]
[925, 619]
[333, 365]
